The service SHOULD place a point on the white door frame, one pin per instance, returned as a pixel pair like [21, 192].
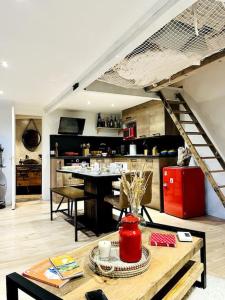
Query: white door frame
[13, 163]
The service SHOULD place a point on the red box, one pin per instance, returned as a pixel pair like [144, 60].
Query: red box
[163, 239]
[184, 191]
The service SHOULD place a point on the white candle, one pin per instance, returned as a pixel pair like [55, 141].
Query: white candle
[104, 249]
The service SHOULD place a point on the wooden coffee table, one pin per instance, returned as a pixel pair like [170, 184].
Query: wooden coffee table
[171, 274]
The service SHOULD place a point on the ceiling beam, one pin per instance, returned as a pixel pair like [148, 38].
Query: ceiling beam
[189, 71]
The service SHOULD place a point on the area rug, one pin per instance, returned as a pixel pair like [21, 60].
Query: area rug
[215, 290]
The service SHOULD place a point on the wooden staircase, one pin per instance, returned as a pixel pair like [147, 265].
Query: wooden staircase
[177, 115]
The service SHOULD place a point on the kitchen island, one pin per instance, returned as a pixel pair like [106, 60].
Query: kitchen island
[152, 163]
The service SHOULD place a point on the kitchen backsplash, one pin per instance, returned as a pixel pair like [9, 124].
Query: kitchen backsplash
[69, 143]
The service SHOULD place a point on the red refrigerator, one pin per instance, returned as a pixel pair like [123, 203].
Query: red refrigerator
[183, 191]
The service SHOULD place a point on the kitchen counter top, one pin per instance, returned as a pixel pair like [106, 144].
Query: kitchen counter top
[114, 156]
[143, 156]
[85, 173]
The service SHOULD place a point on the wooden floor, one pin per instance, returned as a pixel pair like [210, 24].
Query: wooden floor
[24, 198]
[28, 235]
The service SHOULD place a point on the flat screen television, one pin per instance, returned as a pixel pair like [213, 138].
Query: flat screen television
[71, 125]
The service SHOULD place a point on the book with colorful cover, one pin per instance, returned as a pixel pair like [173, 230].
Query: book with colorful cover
[45, 273]
[66, 266]
[163, 239]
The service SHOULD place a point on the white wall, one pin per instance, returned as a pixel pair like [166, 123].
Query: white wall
[6, 142]
[50, 124]
[205, 94]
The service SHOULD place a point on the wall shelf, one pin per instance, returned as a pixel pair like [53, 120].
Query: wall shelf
[109, 128]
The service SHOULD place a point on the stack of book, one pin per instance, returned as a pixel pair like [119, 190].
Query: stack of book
[55, 271]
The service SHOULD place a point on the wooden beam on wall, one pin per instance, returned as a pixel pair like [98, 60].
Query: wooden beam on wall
[181, 75]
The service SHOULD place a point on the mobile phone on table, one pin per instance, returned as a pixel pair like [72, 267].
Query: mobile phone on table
[96, 295]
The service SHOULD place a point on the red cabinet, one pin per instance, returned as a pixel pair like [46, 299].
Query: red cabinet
[183, 191]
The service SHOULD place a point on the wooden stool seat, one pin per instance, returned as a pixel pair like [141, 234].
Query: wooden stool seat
[121, 203]
[72, 195]
[69, 192]
[114, 201]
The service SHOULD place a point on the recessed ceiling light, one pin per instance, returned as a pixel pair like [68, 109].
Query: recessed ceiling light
[1, 92]
[89, 102]
[112, 105]
[4, 64]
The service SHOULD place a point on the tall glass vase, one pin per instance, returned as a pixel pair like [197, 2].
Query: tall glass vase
[135, 210]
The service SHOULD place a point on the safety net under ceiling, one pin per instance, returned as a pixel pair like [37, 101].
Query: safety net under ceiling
[196, 33]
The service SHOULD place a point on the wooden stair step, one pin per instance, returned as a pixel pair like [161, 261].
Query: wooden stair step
[202, 145]
[188, 122]
[182, 112]
[194, 133]
[176, 101]
[209, 157]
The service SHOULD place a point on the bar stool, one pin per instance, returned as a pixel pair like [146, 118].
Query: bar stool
[72, 195]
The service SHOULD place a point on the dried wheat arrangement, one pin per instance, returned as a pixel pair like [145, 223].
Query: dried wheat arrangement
[134, 186]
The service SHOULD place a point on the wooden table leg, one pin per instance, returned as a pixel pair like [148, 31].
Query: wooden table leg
[99, 212]
[104, 209]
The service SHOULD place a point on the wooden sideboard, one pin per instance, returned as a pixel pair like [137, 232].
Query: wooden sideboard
[28, 176]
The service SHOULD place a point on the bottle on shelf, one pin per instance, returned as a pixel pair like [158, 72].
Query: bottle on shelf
[111, 122]
[154, 150]
[107, 122]
[56, 149]
[99, 120]
[119, 123]
[103, 122]
[115, 123]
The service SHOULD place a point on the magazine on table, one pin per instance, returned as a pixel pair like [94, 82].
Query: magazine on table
[66, 266]
[45, 273]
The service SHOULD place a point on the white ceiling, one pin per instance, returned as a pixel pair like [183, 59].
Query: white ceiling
[104, 102]
[48, 44]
